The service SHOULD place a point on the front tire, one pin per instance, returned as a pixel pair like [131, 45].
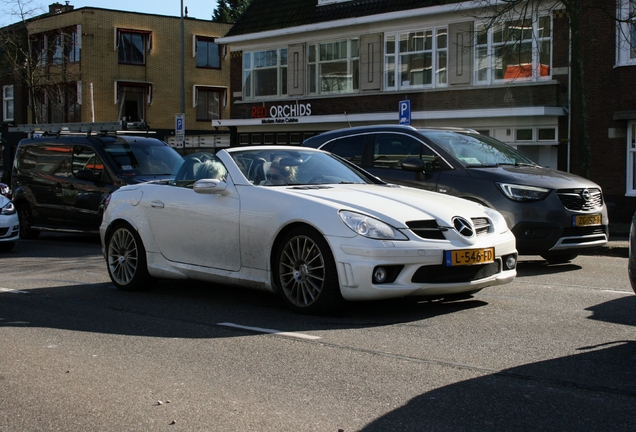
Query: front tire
[559, 258]
[26, 222]
[126, 259]
[305, 273]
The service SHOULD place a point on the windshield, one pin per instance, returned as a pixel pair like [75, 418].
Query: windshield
[474, 150]
[296, 167]
[143, 158]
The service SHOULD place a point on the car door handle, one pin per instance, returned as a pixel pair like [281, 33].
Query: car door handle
[156, 204]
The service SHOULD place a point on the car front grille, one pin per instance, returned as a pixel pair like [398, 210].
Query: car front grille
[429, 229]
[574, 199]
[441, 274]
[3, 231]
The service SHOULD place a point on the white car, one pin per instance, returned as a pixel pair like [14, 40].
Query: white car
[305, 224]
[9, 224]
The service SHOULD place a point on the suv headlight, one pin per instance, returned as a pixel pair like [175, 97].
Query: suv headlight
[367, 226]
[8, 209]
[523, 193]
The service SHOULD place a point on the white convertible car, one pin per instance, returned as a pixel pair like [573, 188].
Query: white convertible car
[305, 224]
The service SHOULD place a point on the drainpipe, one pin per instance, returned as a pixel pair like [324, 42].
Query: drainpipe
[569, 98]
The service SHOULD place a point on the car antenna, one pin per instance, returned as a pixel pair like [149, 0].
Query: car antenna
[347, 117]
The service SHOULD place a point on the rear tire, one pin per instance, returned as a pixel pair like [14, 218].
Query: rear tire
[6, 246]
[126, 259]
[305, 273]
[26, 222]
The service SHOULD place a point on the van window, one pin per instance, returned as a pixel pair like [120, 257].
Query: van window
[84, 158]
[143, 159]
[50, 159]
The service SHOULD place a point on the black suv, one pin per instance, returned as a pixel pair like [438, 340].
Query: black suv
[60, 182]
[551, 213]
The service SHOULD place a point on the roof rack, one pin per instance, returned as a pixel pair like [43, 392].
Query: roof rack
[82, 127]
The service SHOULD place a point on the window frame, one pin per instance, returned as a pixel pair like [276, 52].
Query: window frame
[315, 61]
[145, 100]
[626, 33]
[630, 178]
[8, 101]
[250, 72]
[393, 57]
[196, 53]
[486, 48]
[146, 45]
[222, 93]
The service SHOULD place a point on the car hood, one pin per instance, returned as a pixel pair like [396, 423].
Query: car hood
[400, 204]
[531, 176]
[3, 200]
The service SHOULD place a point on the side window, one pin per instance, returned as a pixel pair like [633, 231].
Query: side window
[349, 148]
[390, 150]
[84, 158]
[53, 160]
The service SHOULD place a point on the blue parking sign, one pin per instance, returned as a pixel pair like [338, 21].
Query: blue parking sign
[405, 112]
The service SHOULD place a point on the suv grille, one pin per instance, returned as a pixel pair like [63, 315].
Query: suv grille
[581, 199]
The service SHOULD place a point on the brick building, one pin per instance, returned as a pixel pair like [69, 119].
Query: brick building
[104, 65]
[300, 67]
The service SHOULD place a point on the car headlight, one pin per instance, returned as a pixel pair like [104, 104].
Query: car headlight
[367, 226]
[4, 190]
[523, 193]
[497, 219]
[8, 209]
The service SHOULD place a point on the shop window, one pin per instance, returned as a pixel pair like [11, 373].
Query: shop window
[523, 135]
[294, 138]
[281, 138]
[268, 138]
[546, 134]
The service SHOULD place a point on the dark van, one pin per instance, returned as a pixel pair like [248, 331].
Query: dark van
[552, 213]
[60, 182]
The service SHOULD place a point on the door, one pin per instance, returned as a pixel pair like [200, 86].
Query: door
[195, 228]
[86, 189]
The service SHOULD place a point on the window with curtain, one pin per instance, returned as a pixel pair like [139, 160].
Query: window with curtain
[208, 103]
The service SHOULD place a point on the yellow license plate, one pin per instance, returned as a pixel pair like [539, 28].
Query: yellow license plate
[587, 220]
[470, 256]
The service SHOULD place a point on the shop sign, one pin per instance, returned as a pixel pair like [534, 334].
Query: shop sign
[281, 113]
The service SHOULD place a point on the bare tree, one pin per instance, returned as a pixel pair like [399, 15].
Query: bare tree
[495, 13]
[37, 64]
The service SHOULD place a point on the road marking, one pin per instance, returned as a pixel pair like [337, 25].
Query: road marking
[270, 331]
[616, 291]
[13, 291]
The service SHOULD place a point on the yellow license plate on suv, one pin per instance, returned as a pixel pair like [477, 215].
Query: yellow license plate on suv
[587, 220]
[470, 257]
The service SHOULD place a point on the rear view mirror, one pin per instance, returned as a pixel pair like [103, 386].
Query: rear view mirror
[413, 165]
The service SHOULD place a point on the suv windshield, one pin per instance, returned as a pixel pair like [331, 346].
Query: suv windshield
[147, 158]
[475, 150]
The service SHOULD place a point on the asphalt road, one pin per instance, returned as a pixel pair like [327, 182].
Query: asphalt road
[554, 350]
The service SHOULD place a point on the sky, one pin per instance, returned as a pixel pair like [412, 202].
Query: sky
[201, 9]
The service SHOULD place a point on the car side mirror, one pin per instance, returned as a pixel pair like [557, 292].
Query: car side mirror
[210, 186]
[413, 165]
